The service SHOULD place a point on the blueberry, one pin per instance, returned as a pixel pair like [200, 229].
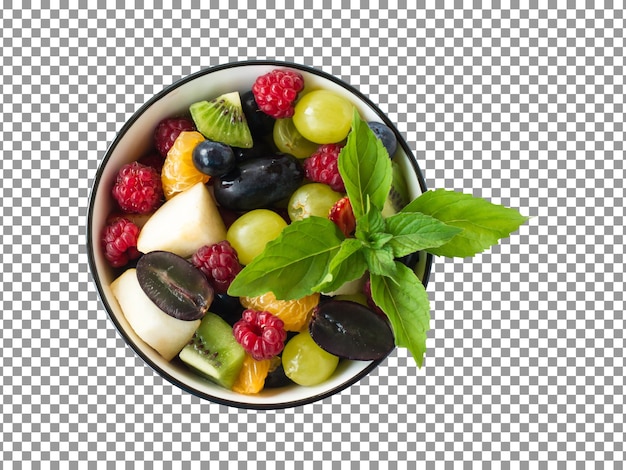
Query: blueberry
[386, 135]
[260, 124]
[213, 158]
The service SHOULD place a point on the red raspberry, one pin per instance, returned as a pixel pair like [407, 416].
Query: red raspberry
[119, 242]
[138, 188]
[261, 334]
[219, 263]
[341, 214]
[167, 130]
[321, 167]
[276, 91]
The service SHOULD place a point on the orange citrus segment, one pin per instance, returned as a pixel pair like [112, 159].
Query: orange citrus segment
[295, 314]
[251, 379]
[179, 173]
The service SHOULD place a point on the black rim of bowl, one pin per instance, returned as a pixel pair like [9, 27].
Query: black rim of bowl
[91, 245]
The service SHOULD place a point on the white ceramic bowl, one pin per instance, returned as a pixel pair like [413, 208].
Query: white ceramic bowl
[135, 139]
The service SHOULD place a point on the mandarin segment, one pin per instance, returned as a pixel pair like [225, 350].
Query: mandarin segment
[295, 314]
[179, 172]
[252, 377]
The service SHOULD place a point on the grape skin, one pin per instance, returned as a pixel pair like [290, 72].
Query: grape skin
[250, 233]
[323, 117]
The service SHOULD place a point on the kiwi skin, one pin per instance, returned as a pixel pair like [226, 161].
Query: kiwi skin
[222, 120]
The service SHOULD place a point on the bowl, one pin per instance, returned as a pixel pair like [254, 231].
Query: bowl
[135, 139]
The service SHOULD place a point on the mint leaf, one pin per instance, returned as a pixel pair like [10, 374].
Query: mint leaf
[483, 223]
[405, 301]
[347, 265]
[292, 264]
[380, 261]
[365, 168]
[378, 240]
[414, 231]
[370, 223]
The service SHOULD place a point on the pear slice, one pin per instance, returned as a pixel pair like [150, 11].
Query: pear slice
[183, 224]
[164, 333]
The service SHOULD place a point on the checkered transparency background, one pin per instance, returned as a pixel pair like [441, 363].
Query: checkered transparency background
[520, 102]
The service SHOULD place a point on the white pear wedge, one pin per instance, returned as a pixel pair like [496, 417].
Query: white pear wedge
[164, 333]
[183, 224]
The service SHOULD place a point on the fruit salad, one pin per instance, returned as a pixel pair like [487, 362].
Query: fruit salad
[269, 235]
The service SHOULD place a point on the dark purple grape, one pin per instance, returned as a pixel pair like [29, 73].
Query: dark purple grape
[259, 149]
[386, 135]
[260, 124]
[175, 285]
[277, 378]
[227, 307]
[351, 331]
[213, 158]
[259, 183]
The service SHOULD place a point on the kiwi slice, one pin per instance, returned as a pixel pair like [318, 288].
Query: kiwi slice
[214, 352]
[222, 120]
[398, 195]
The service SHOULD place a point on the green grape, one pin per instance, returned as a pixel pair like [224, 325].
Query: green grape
[312, 199]
[250, 233]
[305, 362]
[323, 117]
[288, 140]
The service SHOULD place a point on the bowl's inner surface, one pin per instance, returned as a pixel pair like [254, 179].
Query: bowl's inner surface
[134, 141]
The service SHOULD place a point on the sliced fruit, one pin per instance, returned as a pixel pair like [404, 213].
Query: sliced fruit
[164, 333]
[305, 362]
[295, 314]
[175, 285]
[213, 351]
[183, 224]
[179, 172]
[351, 331]
[252, 377]
[222, 120]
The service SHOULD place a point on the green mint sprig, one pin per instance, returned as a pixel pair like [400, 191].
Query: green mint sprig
[312, 255]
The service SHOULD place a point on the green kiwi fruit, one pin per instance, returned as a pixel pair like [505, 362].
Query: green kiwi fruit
[222, 120]
[214, 352]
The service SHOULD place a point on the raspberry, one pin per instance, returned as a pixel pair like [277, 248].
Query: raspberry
[119, 242]
[219, 263]
[321, 167]
[138, 188]
[167, 130]
[341, 214]
[276, 91]
[261, 334]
